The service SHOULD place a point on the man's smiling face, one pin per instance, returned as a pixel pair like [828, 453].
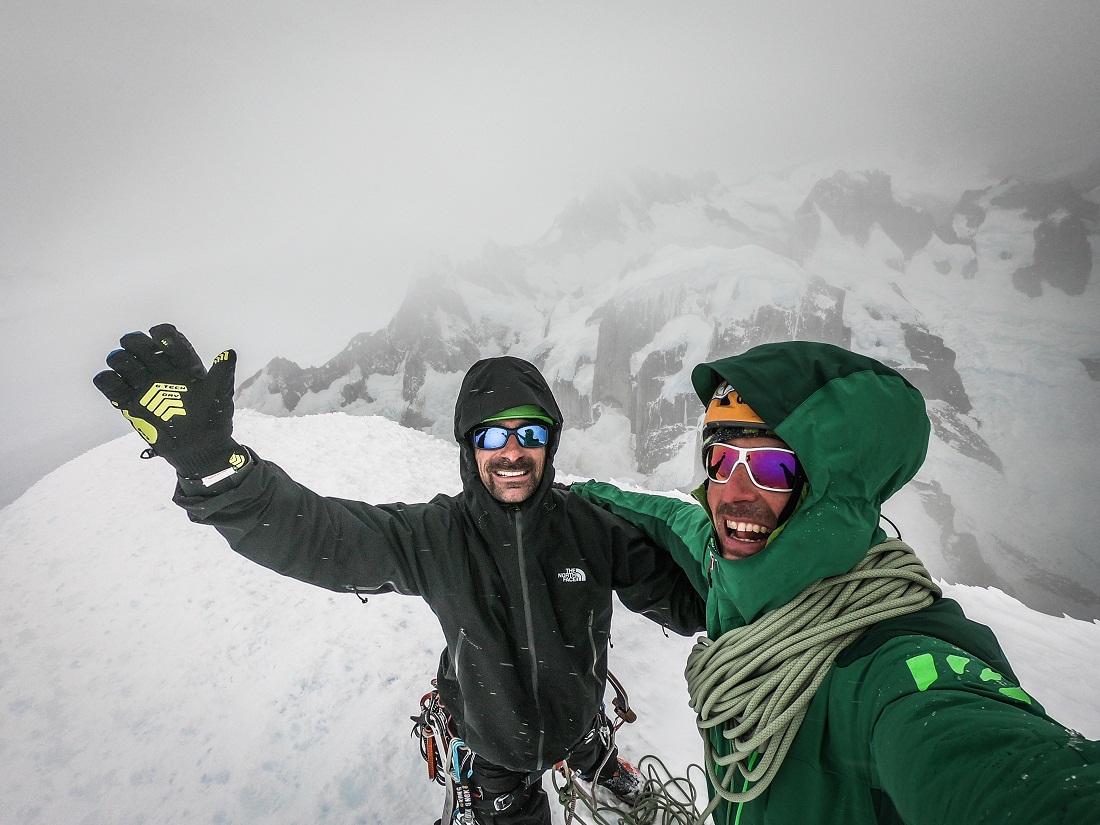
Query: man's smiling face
[512, 473]
[743, 514]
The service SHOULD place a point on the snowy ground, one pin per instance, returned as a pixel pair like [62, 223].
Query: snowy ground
[150, 675]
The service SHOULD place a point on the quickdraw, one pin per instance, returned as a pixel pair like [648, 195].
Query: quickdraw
[449, 761]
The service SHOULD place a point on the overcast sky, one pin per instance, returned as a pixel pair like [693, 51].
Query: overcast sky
[268, 175]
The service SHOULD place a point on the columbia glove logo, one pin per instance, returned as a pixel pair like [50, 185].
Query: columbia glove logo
[165, 400]
[572, 574]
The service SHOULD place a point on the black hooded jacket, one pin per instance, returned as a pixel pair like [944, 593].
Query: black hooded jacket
[522, 592]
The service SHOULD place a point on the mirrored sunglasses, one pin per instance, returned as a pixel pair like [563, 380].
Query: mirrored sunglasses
[493, 437]
[769, 468]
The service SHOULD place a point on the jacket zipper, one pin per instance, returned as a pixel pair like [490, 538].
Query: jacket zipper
[592, 639]
[530, 632]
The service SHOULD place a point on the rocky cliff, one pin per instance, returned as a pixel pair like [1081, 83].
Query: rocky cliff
[640, 280]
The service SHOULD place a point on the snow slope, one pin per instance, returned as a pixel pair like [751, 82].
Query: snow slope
[150, 675]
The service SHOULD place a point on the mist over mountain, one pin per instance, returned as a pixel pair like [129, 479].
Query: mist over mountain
[984, 298]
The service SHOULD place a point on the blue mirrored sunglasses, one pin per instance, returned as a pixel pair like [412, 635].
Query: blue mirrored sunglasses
[769, 468]
[493, 437]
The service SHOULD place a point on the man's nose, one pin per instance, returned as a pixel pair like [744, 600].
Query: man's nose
[740, 486]
[511, 446]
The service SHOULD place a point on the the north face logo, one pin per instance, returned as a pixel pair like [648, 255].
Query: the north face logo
[572, 574]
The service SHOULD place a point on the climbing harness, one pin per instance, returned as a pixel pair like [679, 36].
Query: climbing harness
[450, 763]
[755, 683]
[664, 800]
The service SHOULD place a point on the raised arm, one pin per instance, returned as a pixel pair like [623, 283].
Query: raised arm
[185, 414]
[332, 543]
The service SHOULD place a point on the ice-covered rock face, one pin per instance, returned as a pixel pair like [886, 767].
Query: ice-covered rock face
[856, 203]
[639, 282]
[1040, 233]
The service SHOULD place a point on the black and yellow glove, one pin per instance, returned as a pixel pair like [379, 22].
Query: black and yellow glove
[183, 411]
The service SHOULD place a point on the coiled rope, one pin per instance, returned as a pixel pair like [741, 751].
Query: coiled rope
[665, 800]
[756, 682]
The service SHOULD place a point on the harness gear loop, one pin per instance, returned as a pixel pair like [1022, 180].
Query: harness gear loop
[432, 726]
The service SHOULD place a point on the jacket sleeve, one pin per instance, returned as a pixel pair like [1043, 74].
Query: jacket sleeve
[649, 582]
[680, 527]
[950, 740]
[332, 543]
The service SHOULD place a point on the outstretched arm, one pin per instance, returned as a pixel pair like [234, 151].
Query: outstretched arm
[333, 543]
[648, 581]
[682, 528]
[948, 739]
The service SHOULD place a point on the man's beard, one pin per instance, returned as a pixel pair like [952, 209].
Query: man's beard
[755, 512]
[514, 492]
[758, 512]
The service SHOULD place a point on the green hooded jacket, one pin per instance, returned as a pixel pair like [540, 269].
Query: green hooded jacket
[920, 720]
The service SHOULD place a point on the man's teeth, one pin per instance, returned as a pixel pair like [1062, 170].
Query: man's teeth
[746, 527]
[511, 473]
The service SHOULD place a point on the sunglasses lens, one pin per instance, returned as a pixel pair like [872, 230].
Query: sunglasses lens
[529, 435]
[774, 469]
[490, 438]
[533, 435]
[721, 461]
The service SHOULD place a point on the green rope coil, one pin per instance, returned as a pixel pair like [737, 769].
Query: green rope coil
[756, 682]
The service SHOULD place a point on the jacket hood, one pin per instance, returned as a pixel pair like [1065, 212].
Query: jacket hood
[491, 386]
[860, 431]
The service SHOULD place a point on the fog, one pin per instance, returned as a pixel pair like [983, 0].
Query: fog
[268, 176]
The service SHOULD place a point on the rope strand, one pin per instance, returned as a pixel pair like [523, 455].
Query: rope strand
[756, 682]
[665, 800]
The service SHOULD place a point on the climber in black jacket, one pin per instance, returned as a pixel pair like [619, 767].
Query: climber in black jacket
[519, 573]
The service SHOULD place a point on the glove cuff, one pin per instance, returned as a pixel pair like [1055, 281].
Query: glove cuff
[210, 462]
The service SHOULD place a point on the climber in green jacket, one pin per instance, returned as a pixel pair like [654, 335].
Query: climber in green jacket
[836, 685]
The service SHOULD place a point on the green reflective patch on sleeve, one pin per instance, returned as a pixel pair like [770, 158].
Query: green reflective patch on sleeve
[1016, 693]
[923, 668]
[958, 663]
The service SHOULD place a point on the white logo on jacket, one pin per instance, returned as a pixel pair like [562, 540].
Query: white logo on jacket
[572, 574]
